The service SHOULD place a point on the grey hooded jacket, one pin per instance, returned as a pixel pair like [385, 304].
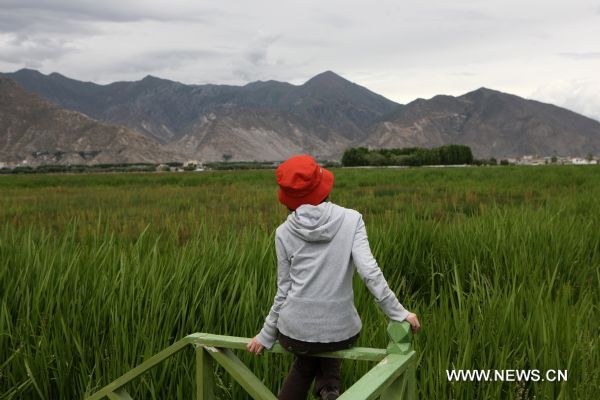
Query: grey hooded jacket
[316, 248]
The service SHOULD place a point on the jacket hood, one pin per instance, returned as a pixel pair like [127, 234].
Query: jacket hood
[317, 223]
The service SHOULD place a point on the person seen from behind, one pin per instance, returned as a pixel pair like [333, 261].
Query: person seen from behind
[313, 310]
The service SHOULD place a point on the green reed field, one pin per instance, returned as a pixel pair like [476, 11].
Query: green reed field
[99, 272]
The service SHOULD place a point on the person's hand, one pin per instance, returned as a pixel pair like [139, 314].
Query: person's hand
[414, 322]
[254, 346]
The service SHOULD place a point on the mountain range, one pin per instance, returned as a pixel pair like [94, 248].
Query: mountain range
[273, 120]
[38, 132]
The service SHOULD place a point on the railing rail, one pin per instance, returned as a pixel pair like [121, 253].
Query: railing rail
[393, 377]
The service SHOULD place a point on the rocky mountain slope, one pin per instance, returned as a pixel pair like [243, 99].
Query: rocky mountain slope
[35, 130]
[492, 123]
[273, 120]
[258, 121]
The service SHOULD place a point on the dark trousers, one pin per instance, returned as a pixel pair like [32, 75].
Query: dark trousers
[325, 371]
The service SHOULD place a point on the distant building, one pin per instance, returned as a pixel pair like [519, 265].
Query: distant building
[580, 161]
[192, 162]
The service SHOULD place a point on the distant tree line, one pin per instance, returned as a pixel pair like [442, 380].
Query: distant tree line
[138, 167]
[77, 168]
[452, 154]
[228, 165]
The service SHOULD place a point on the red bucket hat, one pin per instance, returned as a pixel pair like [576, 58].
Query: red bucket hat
[302, 181]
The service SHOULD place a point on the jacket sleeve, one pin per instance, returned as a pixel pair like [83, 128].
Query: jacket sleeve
[372, 276]
[268, 333]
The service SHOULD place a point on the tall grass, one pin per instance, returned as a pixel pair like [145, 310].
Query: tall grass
[97, 273]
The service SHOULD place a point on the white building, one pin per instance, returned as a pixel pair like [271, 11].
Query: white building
[192, 162]
[579, 161]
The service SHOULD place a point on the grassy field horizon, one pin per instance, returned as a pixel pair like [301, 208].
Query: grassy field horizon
[98, 272]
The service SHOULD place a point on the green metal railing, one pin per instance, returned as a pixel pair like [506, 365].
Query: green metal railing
[393, 377]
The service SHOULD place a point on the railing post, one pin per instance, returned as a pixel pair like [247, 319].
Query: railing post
[205, 384]
[392, 378]
[411, 392]
[120, 394]
[396, 390]
[400, 337]
[404, 387]
[242, 374]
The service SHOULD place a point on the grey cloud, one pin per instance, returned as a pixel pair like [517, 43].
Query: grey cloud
[253, 63]
[37, 22]
[155, 61]
[105, 11]
[581, 55]
[72, 19]
[541, 35]
[257, 53]
[582, 96]
[34, 31]
[305, 41]
[244, 74]
[333, 20]
[462, 73]
[31, 52]
[460, 14]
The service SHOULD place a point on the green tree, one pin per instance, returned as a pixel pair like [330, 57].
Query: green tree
[354, 157]
[414, 156]
[375, 158]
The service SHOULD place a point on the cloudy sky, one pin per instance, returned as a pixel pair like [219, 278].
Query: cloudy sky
[537, 49]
